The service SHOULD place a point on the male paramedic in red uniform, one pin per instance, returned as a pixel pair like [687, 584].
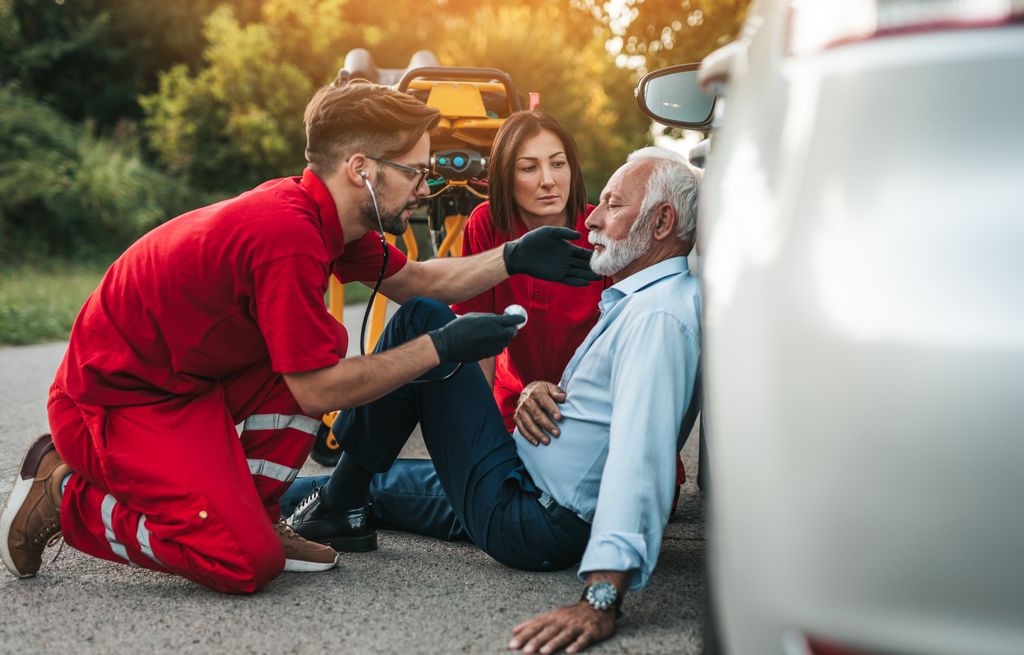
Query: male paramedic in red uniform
[217, 318]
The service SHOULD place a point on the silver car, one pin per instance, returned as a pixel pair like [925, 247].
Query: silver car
[863, 260]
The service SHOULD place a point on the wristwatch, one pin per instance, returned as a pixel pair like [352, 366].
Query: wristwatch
[603, 596]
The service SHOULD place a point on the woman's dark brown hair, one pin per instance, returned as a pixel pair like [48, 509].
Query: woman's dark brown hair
[516, 129]
[357, 116]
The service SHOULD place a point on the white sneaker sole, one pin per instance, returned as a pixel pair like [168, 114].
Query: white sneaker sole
[302, 566]
[19, 492]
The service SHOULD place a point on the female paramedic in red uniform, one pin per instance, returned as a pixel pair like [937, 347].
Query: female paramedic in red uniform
[217, 318]
[535, 180]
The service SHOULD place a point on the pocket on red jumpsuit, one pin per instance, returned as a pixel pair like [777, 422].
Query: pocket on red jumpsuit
[195, 541]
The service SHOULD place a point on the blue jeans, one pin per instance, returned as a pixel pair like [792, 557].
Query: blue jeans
[476, 486]
[407, 497]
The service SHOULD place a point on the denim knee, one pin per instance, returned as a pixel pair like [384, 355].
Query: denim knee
[415, 317]
[424, 314]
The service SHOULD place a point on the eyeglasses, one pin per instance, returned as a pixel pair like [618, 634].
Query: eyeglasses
[420, 173]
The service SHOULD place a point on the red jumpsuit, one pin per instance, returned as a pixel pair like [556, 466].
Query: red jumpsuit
[186, 337]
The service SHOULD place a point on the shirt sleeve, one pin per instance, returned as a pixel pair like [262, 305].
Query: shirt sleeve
[476, 238]
[300, 334]
[362, 259]
[651, 387]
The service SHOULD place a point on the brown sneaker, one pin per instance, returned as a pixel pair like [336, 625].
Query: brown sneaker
[31, 518]
[301, 554]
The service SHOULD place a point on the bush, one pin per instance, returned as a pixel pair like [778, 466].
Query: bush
[64, 191]
[237, 120]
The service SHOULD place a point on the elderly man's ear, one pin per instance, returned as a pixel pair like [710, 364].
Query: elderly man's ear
[665, 222]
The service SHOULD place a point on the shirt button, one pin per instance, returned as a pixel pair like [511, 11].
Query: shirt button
[203, 514]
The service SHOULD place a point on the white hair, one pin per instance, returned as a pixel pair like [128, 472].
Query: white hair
[654, 151]
[674, 181]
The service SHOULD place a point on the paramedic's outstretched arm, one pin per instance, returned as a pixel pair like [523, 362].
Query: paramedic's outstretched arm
[545, 253]
[357, 381]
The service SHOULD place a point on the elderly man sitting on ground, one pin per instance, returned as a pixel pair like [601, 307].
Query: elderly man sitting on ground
[588, 474]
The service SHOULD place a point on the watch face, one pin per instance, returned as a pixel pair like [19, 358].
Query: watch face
[602, 595]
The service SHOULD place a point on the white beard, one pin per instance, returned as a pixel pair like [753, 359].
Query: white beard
[618, 254]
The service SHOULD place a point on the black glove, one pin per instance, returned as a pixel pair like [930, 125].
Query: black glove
[546, 253]
[475, 336]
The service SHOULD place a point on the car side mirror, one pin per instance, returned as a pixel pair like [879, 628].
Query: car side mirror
[672, 96]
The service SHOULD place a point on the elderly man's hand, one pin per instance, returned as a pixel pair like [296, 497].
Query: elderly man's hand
[537, 412]
[573, 627]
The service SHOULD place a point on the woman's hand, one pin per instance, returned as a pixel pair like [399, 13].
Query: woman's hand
[537, 412]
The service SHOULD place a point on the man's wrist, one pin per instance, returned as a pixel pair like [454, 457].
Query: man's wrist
[611, 611]
[506, 256]
[432, 346]
[602, 596]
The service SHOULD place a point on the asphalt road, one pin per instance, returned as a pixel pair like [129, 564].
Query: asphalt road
[412, 595]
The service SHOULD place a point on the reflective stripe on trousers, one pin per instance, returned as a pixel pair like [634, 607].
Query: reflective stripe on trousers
[298, 422]
[141, 534]
[272, 470]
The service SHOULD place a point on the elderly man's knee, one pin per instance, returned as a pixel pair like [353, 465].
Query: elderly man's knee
[420, 315]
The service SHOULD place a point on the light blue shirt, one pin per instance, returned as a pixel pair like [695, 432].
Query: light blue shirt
[627, 388]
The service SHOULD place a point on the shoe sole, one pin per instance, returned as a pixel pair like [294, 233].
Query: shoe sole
[19, 492]
[303, 566]
[362, 544]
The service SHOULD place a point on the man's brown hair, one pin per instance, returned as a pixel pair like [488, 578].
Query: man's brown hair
[516, 129]
[347, 117]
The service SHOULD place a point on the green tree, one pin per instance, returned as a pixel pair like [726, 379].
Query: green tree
[659, 34]
[237, 119]
[64, 191]
[92, 58]
[579, 85]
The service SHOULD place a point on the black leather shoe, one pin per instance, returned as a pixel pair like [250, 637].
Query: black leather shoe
[346, 531]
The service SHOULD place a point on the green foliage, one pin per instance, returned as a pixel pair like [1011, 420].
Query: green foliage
[225, 83]
[580, 86]
[39, 302]
[660, 34]
[237, 120]
[65, 191]
[92, 58]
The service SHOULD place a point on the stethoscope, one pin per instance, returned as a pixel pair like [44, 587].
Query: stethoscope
[383, 263]
[380, 279]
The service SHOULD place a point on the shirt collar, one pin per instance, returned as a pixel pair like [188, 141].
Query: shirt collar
[648, 276]
[330, 226]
